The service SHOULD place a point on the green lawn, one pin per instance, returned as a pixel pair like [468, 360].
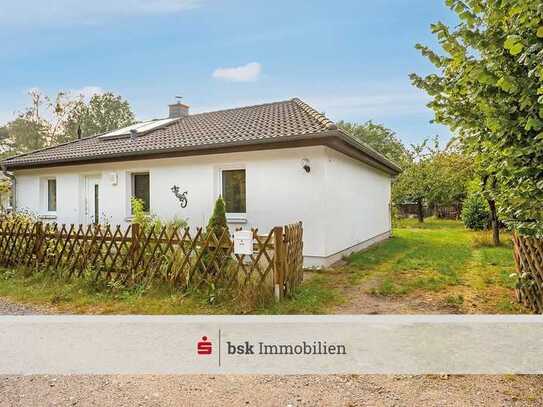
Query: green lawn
[438, 261]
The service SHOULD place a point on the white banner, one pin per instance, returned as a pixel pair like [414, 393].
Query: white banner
[370, 344]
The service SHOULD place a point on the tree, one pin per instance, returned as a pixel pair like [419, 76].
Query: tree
[380, 138]
[451, 171]
[103, 113]
[489, 91]
[66, 114]
[414, 183]
[24, 135]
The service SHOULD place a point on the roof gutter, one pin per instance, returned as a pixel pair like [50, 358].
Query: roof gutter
[13, 179]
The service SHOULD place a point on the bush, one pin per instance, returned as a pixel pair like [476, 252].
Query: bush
[147, 220]
[217, 222]
[475, 212]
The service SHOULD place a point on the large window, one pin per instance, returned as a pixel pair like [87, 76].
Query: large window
[140, 189]
[233, 190]
[51, 195]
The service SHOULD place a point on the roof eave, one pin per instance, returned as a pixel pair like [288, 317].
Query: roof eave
[334, 139]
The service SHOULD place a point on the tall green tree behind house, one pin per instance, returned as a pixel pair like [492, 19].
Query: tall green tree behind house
[382, 139]
[103, 113]
[489, 90]
[47, 122]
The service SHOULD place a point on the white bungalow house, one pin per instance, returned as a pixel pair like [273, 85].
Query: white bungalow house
[274, 164]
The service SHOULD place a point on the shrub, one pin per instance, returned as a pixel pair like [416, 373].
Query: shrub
[475, 212]
[146, 220]
[217, 222]
[216, 225]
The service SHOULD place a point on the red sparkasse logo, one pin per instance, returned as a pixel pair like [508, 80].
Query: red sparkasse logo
[204, 346]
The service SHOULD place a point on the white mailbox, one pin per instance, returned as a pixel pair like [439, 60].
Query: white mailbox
[243, 242]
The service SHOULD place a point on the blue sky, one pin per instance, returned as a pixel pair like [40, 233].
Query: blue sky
[349, 59]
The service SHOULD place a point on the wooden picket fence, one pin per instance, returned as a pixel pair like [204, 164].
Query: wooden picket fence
[137, 255]
[528, 253]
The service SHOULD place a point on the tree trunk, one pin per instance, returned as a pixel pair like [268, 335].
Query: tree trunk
[420, 211]
[494, 222]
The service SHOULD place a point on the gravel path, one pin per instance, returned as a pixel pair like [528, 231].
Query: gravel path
[271, 391]
[286, 391]
[10, 308]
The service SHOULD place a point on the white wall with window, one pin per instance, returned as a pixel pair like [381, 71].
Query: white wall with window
[261, 189]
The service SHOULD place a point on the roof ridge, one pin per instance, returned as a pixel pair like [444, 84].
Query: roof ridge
[237, 108]
[329, 124]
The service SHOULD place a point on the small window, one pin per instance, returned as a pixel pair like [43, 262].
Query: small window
[140, 189]
[51, 195]
[233, 190]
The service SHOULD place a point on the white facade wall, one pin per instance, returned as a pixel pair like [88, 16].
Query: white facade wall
[358, 205]
[341, 202]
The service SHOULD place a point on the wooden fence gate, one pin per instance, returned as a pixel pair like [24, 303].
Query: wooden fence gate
[139, 255]
[528, 253]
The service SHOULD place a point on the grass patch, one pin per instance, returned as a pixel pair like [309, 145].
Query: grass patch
[315, 296]
[439, 259]
[84, 296]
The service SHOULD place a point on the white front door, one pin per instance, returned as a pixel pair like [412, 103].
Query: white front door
[92, 199]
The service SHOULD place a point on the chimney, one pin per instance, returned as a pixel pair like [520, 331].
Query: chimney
[178, 110]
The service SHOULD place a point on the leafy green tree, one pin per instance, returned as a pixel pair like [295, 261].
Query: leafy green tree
[66, 117]
[382, 139]
[450, 172]
[103, 113]
[489, 91]
[414, 183]
[24, 135]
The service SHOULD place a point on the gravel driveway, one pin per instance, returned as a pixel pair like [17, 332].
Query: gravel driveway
[10, 308]
[271, 391]
[229, 390]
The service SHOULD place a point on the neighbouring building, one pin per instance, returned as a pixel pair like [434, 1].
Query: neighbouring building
[274, 164]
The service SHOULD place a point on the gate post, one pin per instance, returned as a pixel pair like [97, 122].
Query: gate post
[278, 272]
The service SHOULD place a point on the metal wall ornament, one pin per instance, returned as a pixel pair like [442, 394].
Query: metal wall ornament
[182, 197]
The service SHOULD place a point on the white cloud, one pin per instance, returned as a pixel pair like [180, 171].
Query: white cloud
[32, 12]
[243, 73]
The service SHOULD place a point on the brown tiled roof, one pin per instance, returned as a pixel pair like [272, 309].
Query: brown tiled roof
[268, 123]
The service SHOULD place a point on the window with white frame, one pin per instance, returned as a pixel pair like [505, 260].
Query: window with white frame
[141, 189]
[51, 195]
[233, 191]
[48, 195]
